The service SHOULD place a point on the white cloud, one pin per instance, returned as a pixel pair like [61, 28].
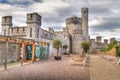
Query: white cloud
[48, 8]
[95, 22]
[100, 12]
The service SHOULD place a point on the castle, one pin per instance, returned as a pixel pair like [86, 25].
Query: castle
[97, 45]
[73, 34]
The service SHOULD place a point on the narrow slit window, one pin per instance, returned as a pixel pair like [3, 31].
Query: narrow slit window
[17, 30]
[30, 17]
[4, 31]
[30, 32]
[23, 29]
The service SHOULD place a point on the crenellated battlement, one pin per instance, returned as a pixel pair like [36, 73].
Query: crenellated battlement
[7, 21]
[84, 10]
[73, 20]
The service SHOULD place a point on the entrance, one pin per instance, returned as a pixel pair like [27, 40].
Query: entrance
[37, 52]
[29, 52]
[44, 52]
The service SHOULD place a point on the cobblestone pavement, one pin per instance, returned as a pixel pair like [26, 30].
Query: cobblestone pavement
[47, 70]
[101, 69]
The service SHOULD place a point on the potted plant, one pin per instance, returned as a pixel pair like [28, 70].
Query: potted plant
[57, 44]
[85, 45]
[65, 47]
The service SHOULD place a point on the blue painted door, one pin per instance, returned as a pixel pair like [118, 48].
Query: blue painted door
[44, 52]
[37, 51]
[28, 52]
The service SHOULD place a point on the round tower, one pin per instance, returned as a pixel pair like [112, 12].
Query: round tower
[84, 15]
[6, 25]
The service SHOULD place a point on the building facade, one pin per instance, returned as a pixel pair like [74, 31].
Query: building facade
[73, 34]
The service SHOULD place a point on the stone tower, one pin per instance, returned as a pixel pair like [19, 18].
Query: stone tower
[74, 28]
[6, 25]
[33, 26]
[78, 30]
[84, 15]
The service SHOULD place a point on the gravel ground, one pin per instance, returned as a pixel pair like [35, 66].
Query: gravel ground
[47, 70]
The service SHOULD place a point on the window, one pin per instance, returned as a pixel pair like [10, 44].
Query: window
[23, 29]
[12, 30]
[31, 17]
[17, 30]
[37, 32]
[5, 20]
[4, 31]
[30, 32]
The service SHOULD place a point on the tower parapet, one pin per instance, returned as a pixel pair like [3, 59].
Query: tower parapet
[73, 20]
[7, 21]
[6, 25]
[106, 41]
[33, 18]
[92, 40]
[98, 38]
[112, 39]
[51, 29]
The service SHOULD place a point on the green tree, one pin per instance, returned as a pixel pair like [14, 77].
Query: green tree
[65, 47]
[111, 46]
[57, 44]
[85, 45]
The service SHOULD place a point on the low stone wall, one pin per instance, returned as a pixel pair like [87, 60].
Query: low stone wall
[12, 52]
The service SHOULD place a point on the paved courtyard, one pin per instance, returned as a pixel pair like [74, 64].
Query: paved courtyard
[47, 70]
[98, 69]
[101, 69]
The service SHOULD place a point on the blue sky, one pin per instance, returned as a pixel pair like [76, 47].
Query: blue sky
[104, 15]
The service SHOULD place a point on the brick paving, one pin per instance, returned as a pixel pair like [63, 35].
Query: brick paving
[47, 70]
[101, 69]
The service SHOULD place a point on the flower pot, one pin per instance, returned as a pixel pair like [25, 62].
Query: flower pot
[57, 57]
[65, 53]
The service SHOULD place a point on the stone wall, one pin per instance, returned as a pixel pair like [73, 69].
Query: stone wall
[12, 52]
[2, 52]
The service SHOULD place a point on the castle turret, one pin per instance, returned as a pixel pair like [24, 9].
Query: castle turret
[6, 25]
[73, 24]
[84, 15]
[92, 40]
[51, 30]
[112, 39]
[74, 28]
[33, 25]
[106, 41]
[98, 38]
